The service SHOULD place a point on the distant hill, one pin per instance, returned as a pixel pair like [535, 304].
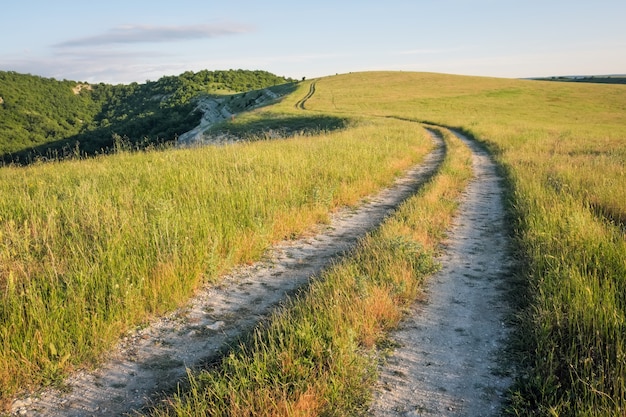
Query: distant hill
[43, 117]
[601, 79]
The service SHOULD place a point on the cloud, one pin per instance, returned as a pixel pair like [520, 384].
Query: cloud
[105, 58]
[131, 34]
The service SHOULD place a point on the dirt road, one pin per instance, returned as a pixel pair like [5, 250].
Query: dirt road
[446, 364]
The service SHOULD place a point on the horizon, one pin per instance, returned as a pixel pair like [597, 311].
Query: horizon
[124, 42]
[330, 75]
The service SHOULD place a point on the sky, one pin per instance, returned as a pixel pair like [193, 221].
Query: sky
[127, 41]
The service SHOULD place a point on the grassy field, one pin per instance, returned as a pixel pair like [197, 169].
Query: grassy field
[563, 149]
[91, 248]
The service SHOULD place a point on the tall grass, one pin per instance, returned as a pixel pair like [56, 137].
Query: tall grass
[91, 248]
[575, 324]
[563, 147]
[316, 355]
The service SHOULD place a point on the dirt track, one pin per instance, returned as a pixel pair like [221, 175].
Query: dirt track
[300, 104]
[152, 360]
[447, 364]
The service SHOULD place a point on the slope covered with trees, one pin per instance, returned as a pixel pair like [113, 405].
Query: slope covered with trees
[46, 117]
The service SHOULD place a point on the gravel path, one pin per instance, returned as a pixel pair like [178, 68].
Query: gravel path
[446, 363]
[153, 360]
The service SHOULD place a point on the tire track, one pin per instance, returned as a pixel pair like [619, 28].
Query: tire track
[153, 360]
[300, 103]
[446, 362]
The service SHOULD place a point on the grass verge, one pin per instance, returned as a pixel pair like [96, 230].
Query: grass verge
[316, 356]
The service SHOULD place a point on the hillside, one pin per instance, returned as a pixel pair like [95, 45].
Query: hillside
[47, 117]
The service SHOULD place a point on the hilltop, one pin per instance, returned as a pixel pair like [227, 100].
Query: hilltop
[44, 117]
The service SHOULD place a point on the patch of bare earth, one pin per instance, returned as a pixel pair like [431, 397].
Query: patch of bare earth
[153, 360]
[446, 362]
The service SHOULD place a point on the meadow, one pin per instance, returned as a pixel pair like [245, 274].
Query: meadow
[92, 248]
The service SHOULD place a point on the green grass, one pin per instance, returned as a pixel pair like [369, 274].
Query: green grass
[92, 248]
[317, 355]
[562, 147]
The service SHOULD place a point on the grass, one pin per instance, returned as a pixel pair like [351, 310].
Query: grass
[562, 147]
[92, 248]
[317, 355]
[133, 234]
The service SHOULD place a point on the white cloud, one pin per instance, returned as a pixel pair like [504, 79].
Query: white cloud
[131, 34]
[120, 55]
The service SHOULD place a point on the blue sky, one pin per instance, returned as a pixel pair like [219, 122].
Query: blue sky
[135, 40]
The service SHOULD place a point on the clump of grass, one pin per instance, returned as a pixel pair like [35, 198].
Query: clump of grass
[316, 355]
[91, 248]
